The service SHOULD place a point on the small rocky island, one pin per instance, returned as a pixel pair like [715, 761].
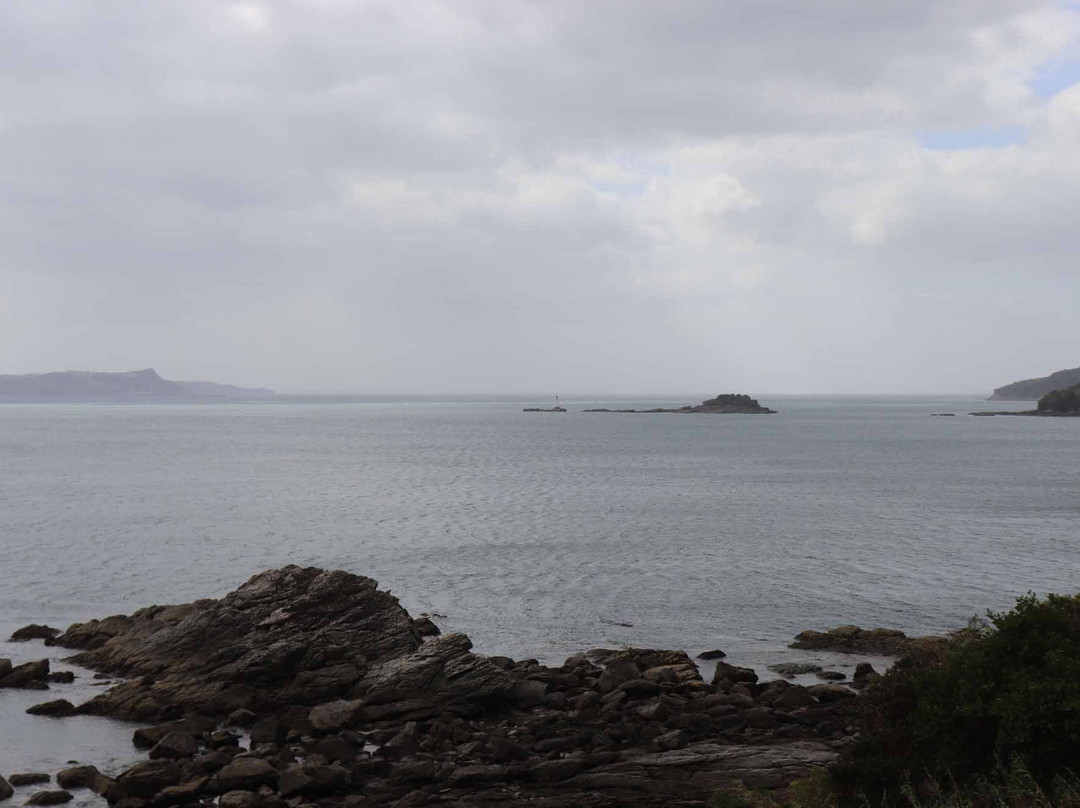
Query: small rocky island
[725, 403]
[314, 687]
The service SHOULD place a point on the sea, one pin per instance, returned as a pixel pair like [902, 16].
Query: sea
[537, 534]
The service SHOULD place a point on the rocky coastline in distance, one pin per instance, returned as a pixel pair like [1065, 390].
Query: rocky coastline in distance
[1034, 389]
[725, 404]
[85, 385]
[313, 687]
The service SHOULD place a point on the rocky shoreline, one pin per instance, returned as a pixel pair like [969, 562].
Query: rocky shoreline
[313, 687]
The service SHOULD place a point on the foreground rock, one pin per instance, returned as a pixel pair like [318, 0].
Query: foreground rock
[287, 637]
[347, 705]
[855, 640]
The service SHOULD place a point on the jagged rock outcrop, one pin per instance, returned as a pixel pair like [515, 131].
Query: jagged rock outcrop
[287, 637]
[291, 636]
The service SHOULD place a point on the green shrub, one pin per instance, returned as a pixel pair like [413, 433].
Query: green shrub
[1004, 691]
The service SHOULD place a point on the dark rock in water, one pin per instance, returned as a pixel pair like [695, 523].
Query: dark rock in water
[57, 709]
[6, 791]
[34, 632]
[30, 676]
[5, 667]
[61, 677]
[49, 798]
[77, 777]
[831, 676]
[792, 669]
[732, 674]
[853, 640]
[20, 779]
[714, 654]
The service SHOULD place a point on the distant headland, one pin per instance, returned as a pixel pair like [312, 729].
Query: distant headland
[1056, 403]
[726, 403]
[134, 384]
[1034, 389]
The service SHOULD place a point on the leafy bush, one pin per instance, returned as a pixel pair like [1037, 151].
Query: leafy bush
[1007, 690]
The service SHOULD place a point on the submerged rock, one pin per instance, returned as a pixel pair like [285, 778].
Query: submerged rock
[855, 640]
[49, 798]
[57, 709]
[28, 778]
[34, 632]
[790, 670]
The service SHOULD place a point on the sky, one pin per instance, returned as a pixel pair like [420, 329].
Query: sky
[507, 196]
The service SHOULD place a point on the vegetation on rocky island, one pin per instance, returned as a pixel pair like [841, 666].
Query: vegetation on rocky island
[1062, 401]
[732, 400]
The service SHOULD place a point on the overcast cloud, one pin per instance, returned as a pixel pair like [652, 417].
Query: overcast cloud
[456, 196]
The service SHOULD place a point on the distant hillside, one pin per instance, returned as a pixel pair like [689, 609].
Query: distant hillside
[84, 384]
[1034, 389]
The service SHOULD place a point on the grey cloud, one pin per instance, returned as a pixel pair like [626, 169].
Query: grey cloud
[512, 195]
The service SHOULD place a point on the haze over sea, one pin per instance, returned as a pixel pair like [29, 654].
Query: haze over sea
[542, 534]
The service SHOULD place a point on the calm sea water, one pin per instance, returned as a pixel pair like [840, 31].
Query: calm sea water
[537, 534]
